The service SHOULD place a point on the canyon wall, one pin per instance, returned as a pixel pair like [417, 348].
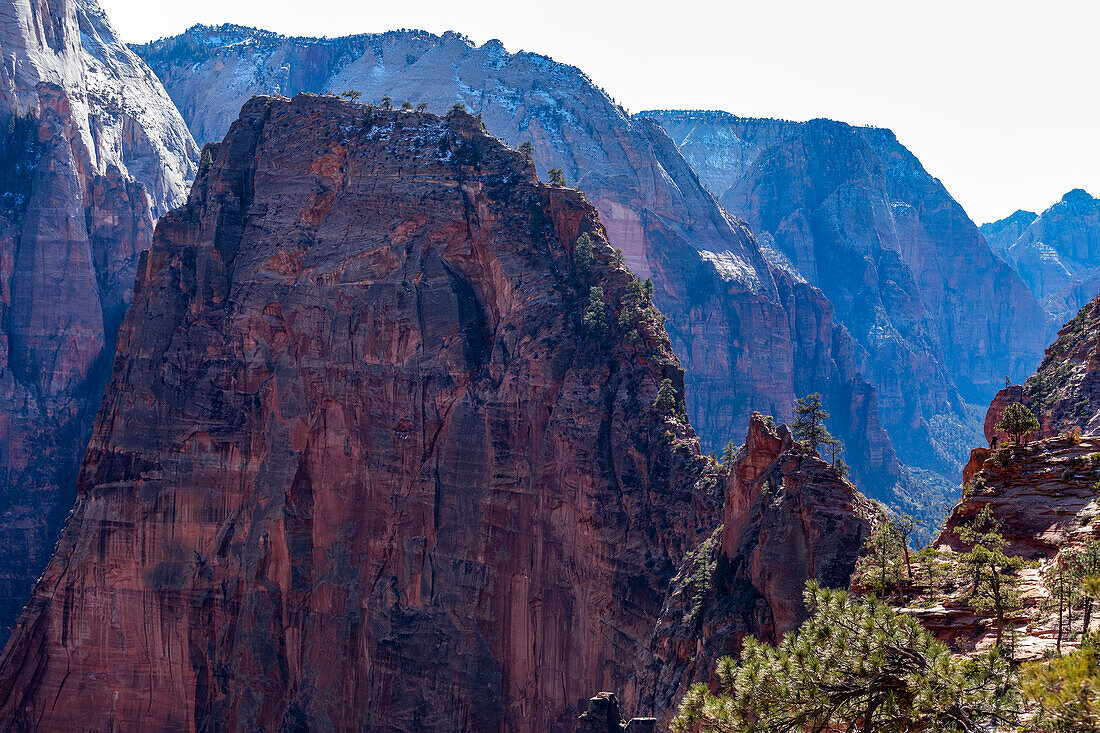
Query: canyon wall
[91, 150]
[1057, 253]
[386, 448]
[851, 210]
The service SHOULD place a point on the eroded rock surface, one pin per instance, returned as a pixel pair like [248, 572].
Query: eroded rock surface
[788, 517]
[1064, 392]
[360, 460]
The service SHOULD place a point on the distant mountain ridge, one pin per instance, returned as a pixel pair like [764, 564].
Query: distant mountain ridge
[854, 212]
[1057, 253]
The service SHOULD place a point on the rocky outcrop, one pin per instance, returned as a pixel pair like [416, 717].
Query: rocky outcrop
[1057, 253]
[1007, 396]
[750, 337]
[603, 716]
[1043, 501]
[1042, 494]
[1064, 392]
[91, 149]
[788, 517]
[362, 458]
[910, 276]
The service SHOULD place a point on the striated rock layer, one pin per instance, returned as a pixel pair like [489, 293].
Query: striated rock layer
[360, 466]
[1042, 494]
[750, 336]
[91, 149]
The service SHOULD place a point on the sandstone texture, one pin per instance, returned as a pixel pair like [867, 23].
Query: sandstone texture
[91, 150]
[750, 336]
[788, 517]
[1042, 494]
[1043, 498]
[852, 211]
[360, 464]
[1057, 253]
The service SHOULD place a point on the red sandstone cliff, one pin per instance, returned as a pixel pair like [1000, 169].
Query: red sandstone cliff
[91, 149]
[1041, 494]
[359, 460]
[788, 517]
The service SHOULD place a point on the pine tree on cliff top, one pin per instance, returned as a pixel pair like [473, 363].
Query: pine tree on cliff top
[809, 421]
[855, 666]
[1017, 421]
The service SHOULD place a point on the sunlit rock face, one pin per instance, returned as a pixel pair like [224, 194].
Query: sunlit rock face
[1057, 253]
[360, 464]
[91, 150]
[750, 335]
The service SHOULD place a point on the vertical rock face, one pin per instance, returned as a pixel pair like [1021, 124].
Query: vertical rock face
[750, 337]
[788, 517]
[360, 465]
[91, 150]
[1057, 253]
[851, 210]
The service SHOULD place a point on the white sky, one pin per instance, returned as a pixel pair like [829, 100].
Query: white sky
[998, 98]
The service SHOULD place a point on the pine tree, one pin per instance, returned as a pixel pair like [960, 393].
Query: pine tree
[929, 561]
[855, 666]
[729, 453]
[993, 576]
[1063, 583]
[595, 313]
[367, 120]
[422, 107]
[457, 107]
[556, 177]
[387, 103]
[667, 399]
[635, 309]
[407, 105]
[584, 255]
[352, 94]
[1090, 590]
[880, 568]
[809, 421]
[1066, 690]
[1017, 421]
[528, 151]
